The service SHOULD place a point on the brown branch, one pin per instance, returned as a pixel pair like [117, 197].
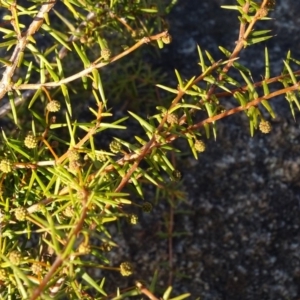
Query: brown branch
[88, 70]
[243, 35]
[235, 110]
[145, 291]
[5, 83]
[61, 257]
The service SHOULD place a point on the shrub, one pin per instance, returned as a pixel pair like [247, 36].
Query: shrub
[67, 175]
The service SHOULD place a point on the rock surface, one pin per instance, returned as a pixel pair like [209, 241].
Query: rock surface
[238, 228]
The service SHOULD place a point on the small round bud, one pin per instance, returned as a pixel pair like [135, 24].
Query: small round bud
[69, 211]
[53, 106]
[199, 146]
[106, 247]
[5, 165]
[115, 146]
[73, 155]
[176, 175]
[105, 53]
[171, 118]
[31, 141]
[84, 249]
[126, 268]
[36, 268]
[15, 257]
[265, 126]
[101, 157]
[263, 12]
[133, 219]
[21, 213]
[74, 165]
[147, 207]
[167, 39]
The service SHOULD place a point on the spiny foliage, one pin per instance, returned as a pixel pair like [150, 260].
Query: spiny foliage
[59, 191]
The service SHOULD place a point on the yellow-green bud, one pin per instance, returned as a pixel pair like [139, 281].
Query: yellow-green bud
[101, 157]
[31, 141]
[133, 219]
[167, 39]
[199, 146]
[171, 118]
[84, 249]
[15, 257]
[126, 268]
[69, 211]
[21, 213]
[105, 53]
[106, 247]
[53, 106]
[115, 146]
[5, 165]
[36, 268]
[73, 155]
[265, 126]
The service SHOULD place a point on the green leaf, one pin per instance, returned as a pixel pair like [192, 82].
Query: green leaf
[65, 92]
[268, 107]
[234, 7]
[36, 52]
[13, 107]
[255, 40]
[93, 283]
[160, 43]
[71, 133]
[180, 82]
[250, 86]
[137, 186]
[149, 10]
[54, 76]
[144, 124]
[241, 98]
[82, 55]
[290, 72]
[174, 91]
[8, 43]
[153, 282]
[225, 51]
[207, 131]
[267, 64]
[202, 63]
[210, 58]
[167, 293]
[28, 73]
[61, 38]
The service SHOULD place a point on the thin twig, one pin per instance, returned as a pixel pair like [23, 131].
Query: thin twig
[88, 70]
[6, 81]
